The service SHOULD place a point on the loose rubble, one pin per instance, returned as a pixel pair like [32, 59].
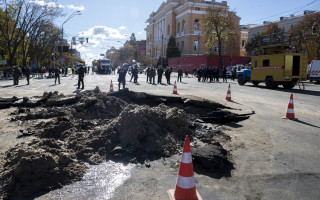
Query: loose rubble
[93, 126]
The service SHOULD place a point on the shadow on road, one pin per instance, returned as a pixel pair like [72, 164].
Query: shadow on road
[305, 123]
[6, 86]
[294, 90]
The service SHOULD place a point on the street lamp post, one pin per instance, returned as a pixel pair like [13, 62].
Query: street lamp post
[72, 15]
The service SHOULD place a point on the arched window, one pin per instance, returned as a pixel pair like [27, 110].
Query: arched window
[196, 25]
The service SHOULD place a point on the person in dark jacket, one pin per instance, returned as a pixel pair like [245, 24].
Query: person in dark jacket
[160, 72]
[180, 73]
[135, 72]
[152, 74]
[27, 74]
[224, 74]
[16, 75]
[167, 74]
[122, 77]
[57, 75]
[81, 77]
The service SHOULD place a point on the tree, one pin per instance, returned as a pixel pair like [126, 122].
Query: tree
[133, 41]
[172, 50]
[305, 40]
[218, 26]
[18, 19]
[255, 45]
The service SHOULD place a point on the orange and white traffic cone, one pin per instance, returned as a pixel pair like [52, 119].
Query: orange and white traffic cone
[111, 87]
[290, 110]
[175, 90]
[185, 187]
[228, 98]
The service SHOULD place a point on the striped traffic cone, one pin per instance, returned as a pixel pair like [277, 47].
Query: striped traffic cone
[290, 110]
[111, 87]
[185, 187]
[175, 90]
[228, 98]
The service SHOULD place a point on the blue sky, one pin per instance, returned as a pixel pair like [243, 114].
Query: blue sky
[105, 22]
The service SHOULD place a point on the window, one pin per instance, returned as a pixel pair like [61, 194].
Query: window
[183, 26]
[216, 48]
[168, 30]
[197, 8]
[182, 45]
[178, 29]
[196, 45]
[243, 43]
[178, 45]
[244, 35]
[196, 24]
[266, 63]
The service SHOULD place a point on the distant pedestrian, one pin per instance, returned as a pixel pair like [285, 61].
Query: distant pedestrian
[135, 72]
[160, 72]
[16, 75]
[180, 74]
[167, 74]
[148, 73]
[233, 73]
[57, 75]
[81, 73]
[27, 74]
[122, 77]
[224, 74]
[152, 74]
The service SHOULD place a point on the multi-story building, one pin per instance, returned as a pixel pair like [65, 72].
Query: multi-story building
[180, 19]
[285, 23]
[243, 40]
[141, 46]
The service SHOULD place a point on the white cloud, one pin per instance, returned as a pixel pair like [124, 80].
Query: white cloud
[104, 32]
[81, 8]
[122, 28]
[53, 4]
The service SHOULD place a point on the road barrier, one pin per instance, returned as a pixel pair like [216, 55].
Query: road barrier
[290, 110]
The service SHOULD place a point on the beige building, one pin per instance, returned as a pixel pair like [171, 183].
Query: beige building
[244, 34]
[179, 18]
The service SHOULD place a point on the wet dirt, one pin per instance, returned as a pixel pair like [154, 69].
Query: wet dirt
[93, 127]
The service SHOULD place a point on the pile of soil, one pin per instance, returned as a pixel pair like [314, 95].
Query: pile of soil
[93, 126]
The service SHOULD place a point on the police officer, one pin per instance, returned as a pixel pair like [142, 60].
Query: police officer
[16, 75]
[160, 72]
[122, 77]
[167, 74]
[81, 73]
[152, 74]
[57, 75]
[180, 73]
[27, 74]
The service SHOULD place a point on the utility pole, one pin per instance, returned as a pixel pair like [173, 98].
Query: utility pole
[161, 50]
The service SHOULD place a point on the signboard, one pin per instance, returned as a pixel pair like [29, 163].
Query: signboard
[3, 62]
[62, 60]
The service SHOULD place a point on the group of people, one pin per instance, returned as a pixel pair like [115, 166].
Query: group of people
[211, 74]
[151, 73]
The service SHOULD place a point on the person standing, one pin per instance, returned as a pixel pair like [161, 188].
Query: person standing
[148, 73]
[16, 75]
[167, 74]
[233, 73]
[135, 74]
[81, 73]
[224, 74]
[152, 75]
[160, 72]
[57, 75]
[180, 73]
[199, 72]
[27, 74]
[122, 77]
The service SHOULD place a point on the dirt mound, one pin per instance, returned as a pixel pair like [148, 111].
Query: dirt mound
[41, 165]
[93, 126]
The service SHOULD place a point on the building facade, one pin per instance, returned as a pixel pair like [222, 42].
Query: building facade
[244, 33]
[285, 23]
[180, 19]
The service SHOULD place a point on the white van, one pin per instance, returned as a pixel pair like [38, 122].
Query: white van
[314, 71]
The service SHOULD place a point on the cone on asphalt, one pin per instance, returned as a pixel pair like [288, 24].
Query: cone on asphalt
[290, 110]
[111, 87]
[175, 90]
[228, 98]
[185, 187]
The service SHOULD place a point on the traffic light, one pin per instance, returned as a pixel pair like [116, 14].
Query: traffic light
[314, 28]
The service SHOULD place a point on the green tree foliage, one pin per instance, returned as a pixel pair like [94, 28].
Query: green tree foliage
[133, 40]
[218, 26]
[21, 20]
[172, 50]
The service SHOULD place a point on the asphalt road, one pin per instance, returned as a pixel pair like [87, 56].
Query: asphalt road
[273, 158]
